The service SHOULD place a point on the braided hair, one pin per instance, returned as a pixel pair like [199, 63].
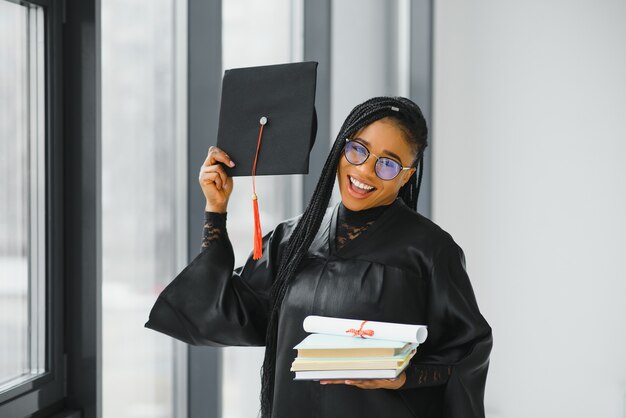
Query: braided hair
[408, 117]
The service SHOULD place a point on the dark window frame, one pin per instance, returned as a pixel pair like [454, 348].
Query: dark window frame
[421, 86]
[79, 149]
[204, 58]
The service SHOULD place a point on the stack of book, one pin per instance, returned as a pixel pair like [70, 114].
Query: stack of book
[355, 349]
[323, 356]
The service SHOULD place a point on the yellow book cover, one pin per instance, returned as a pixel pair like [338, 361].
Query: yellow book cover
[353, 363]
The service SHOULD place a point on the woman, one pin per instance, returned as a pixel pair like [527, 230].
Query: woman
[372, 256]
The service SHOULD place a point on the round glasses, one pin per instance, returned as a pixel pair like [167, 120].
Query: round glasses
[385, 168]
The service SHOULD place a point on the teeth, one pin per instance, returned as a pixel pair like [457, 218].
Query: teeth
[360, 185]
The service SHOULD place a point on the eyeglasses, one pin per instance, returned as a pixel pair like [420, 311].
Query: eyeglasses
[385, 168]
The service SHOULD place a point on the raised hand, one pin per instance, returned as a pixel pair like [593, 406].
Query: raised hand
[215, 183]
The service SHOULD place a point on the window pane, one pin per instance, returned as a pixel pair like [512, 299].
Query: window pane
[140, 207]
[248, 40]
[22, 189]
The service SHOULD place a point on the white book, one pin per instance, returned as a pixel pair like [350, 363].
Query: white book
[349, 374]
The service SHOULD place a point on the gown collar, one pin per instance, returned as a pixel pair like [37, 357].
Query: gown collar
[360, 217]
[383, 216]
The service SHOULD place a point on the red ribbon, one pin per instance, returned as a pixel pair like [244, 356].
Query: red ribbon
[360, 332]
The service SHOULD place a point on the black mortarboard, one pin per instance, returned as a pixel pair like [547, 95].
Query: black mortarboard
[268, 123]
[285, 95]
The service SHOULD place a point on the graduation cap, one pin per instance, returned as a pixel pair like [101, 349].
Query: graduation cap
[267, 123]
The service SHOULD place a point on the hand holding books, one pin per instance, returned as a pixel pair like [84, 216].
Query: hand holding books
[396, 383]
[374, 353]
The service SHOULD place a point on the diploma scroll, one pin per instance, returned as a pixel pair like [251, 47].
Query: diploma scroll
[365, 329]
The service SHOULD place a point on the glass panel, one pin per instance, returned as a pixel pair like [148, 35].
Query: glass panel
[22, 191]
[141, 206]
[249, 40]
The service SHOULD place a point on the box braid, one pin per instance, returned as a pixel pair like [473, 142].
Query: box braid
[408, 117]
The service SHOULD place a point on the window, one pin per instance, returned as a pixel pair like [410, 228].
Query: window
[31, 357]
[255, 34]
[143, 221]
[22, 194]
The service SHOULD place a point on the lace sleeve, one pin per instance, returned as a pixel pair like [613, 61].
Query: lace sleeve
[214, 227]
[210, 302]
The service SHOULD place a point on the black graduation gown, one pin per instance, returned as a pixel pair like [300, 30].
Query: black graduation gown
[403, 268]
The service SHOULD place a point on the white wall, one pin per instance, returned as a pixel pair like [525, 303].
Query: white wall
[529, 143]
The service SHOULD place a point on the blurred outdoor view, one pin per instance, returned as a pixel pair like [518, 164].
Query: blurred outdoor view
[142, 233]
[139, 206]
[255, 34]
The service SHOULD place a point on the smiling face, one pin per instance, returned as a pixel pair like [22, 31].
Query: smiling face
[384, 139]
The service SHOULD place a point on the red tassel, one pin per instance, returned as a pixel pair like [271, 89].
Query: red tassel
[258, 235]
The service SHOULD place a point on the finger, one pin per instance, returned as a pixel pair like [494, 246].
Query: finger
[212, 178]
[216, 168]
[208, 171]
[218, 182]
[364, 384]
[228, 185]
[332, 382]
[369, 383]
[215, 154]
